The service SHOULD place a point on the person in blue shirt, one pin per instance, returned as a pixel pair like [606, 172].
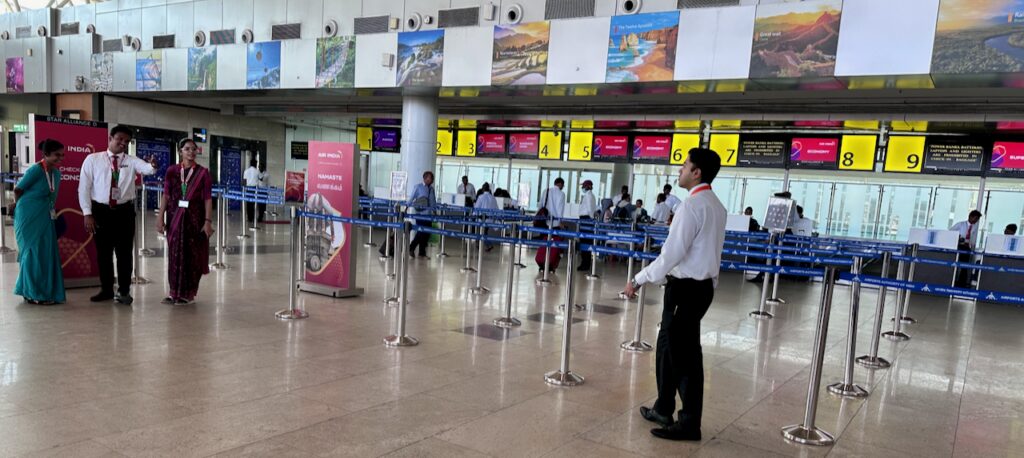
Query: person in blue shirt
[422, 196]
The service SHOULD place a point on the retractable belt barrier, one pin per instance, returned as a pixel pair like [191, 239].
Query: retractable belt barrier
[922, 287]
[356, 221]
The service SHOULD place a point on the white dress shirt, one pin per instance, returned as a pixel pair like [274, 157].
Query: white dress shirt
[251, 176]
[693, 248]
[467, 189]
[486, 201]
[660, 213]
[95, 175]
[616, 199]
[963, 227]
[554, 200]
[672, 201]
[588, 204]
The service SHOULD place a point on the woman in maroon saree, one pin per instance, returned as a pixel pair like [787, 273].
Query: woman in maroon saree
[188, 205]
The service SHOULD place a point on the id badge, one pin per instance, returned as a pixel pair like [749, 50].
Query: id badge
[115, 193]
[53, 214]
[182, 204]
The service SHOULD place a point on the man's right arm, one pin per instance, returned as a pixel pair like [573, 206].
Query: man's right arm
[85, 186]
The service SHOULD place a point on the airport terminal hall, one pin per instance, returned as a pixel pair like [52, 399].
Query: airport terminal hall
[511, 228]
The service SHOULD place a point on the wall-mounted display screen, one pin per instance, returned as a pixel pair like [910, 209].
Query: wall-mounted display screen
[954, 156]
[1007, 159]
[762, 151]
[524, 145]
[490, 144]
[813, 152]
[386, 140]
[611, 147]
[652, 148]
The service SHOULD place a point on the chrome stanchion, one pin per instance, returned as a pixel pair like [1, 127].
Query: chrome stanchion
[519, 252]
[255, 208]
[138, 279]
[467, 252]
[762, 312]
[563, 376]
[508, 321]
[443, 254]
[806, 432]
[293, 312]
[906, 319]
[775, 300]
[897, 334]
[847, 388]
[242, 235]
[398, 264]
[399, 338]
[479, 289]
[3, 219]
[871, 360]
[388, 242]
[142, 238]
[544, 281]
[221, 234]
[638, 344]
[369, 230]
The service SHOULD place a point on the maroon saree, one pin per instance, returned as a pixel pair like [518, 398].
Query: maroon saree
[188, 248]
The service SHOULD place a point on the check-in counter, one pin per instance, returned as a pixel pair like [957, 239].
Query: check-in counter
[935, 244]
[1003, 251]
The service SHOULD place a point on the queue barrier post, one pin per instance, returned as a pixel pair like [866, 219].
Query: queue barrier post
[398, 264]
[762, 313]
[369, 230]
[221, 234]
[638, 344]
[807, 433]
[775, 300]
[142, 218]
[629, 270]
[400, 338]
[847, 388]
[904, 317]
[293, 312]
[508, 321]
[388, 243]
[897, 334]
[519, 251]
[256, 212]
[467, 251]
[242, 235]
[544, 280]
[564, 376]
[480, 289]
[442, 253]
[138, 279]
[871, 360]
[3, 219]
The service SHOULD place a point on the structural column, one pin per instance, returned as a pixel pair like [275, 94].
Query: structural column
[419, 137]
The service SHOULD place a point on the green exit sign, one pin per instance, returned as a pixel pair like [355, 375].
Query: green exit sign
[20, 128]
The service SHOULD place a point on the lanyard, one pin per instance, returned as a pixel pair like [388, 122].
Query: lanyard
[185, 180]
[49, 182]
[699, 189]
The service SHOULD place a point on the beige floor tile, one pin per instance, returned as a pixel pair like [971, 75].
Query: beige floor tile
[583, 447]
[269, 448]
[434, 448]
[720, 448]
[84, 449]
[630, 431]
[44, 430]
[378, 387]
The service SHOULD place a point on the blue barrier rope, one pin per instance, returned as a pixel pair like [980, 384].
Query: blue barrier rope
[343, 219]
[987, 295]
[960, 265]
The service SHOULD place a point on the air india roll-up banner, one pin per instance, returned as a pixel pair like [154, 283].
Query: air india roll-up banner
[80, 139]
[332, 189]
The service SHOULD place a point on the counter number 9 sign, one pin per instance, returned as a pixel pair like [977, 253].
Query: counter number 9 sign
[904, 154]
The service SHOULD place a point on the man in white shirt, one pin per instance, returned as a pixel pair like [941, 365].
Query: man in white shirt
[588, 207]
[661, 212]
[486, 201]
[803, 226]
[968, 238]
[618, 197]
[252, 180]
[106, 194]
[468, 189]
[689, 261]
[670, 200]
[554, 201]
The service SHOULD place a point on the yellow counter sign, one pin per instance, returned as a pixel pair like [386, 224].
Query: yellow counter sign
[445, 139]
[904, 154]
[858, 152]
[364, 136]
[550, 145]
[580, 144]
[681, 146]
[465, 145]
[726, 145]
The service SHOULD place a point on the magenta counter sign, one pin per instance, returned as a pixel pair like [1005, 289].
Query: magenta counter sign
[332, 186]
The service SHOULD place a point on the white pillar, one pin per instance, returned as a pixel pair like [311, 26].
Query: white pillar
[419, 137]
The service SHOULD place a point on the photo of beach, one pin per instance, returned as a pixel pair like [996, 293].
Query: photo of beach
[102, 72]
[202, 69]
[520, 54]
[642, 47]
[794, 40]
[336, 61]
[148, 70]
[979, 36]
[15, 69]
[263, 65]
[420, 58]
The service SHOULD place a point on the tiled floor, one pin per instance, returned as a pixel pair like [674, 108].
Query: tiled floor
[224, 377]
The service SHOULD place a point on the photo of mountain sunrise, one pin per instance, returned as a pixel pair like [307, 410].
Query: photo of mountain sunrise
[979, 36]
[794, 40]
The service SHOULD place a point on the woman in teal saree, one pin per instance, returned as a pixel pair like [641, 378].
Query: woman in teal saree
[40, 279]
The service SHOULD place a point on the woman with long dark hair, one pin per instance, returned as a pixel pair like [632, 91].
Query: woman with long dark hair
[185, 219]
[40, 279]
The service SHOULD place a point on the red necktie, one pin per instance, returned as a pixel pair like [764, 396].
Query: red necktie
[969, 228]
[113, 182]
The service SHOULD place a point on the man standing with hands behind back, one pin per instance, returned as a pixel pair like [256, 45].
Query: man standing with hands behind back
[689, 261]
[106, 193]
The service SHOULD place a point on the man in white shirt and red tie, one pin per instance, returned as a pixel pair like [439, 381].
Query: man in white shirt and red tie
[689, 263]
[106, 193]
[968, 239]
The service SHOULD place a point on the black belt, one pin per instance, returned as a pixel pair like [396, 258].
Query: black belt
[672, 279]
[129, 203]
